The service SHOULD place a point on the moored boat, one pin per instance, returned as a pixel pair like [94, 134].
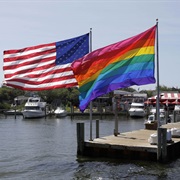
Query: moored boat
[35, 107]
[152, 119]
[137, 110]
[60, 112]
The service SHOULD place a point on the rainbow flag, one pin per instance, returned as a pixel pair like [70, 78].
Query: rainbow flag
[123, 64]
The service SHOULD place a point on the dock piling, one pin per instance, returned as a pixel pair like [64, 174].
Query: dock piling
[162, 145]
[80, 138]
[97, 128]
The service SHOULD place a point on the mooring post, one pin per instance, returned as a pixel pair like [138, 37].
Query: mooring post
[45, 111]
[162, 145]
[114, 100]
[166, 117]
[174, 116]
[15, 113]
[80, 138]
[97, 128]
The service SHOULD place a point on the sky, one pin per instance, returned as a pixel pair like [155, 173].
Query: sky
[32, 22]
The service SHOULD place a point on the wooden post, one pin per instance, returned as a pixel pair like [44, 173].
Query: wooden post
[174, 116]
[15, 112]
[162, 144]
[45, 111]
[97, 128]
[166, 117]
[80, 138]
[159, 144]
[116, 116]
[72, 111]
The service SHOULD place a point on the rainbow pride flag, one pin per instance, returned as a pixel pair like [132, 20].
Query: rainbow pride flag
[123, 64]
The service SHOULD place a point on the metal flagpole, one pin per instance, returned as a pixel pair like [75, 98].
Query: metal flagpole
[158, 93]
[158, 97]
[90, 50]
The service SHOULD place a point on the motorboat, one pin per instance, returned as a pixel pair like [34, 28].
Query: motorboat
[35, 107]
[60, 112]
[153, 110]
[152, 119]
[137, 110]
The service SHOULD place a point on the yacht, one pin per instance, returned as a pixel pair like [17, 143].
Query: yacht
[35, 107]
[137, 110]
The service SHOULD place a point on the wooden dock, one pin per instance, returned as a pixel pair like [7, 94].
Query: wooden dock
[130, 145]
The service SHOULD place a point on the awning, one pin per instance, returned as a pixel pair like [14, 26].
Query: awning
[166, 98]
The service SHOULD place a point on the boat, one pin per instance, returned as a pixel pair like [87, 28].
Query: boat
[176, 118]
[152, 119]
[137, 110]
[153, 110]
[13, 112]
[60, 112]
[35, 107]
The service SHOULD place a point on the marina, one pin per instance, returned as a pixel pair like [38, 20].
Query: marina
[47, 149]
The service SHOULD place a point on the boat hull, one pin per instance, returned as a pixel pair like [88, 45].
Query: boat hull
[34, 114]
[137, 110]
[60, 112]
[135, 113]
[35, 107]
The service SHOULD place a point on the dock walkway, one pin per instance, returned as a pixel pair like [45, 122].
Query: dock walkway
[131, 145]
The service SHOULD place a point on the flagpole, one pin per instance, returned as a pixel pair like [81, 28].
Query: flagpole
[158, 97]
[90, 50]
[158, 93]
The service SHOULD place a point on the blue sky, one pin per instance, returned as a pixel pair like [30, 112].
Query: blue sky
[28, 23]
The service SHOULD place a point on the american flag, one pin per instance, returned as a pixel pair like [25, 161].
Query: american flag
[45, 66]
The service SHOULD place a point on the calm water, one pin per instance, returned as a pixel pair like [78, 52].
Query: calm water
[46, 149]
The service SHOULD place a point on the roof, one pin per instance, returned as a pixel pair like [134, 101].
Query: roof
[167, 96]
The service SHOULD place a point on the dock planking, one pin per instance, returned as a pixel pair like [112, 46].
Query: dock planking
[131, 145]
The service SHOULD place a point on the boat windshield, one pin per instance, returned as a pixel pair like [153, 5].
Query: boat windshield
[34, 100]
[137, 106]
[151, 118]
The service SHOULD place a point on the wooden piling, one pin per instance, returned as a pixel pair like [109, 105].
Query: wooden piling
[174, 116]
[15, 113]
[162, 145]
[80, 138]
[97, 128]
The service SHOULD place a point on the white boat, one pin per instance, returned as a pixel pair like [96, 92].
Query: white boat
[153, 110]
[60, 112]
[137, 110]
[175, 118]
[35, 108]
[152, 119]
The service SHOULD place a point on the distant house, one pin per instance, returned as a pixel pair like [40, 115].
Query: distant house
[20, 100]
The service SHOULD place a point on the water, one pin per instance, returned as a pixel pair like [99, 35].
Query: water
[46, 149]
